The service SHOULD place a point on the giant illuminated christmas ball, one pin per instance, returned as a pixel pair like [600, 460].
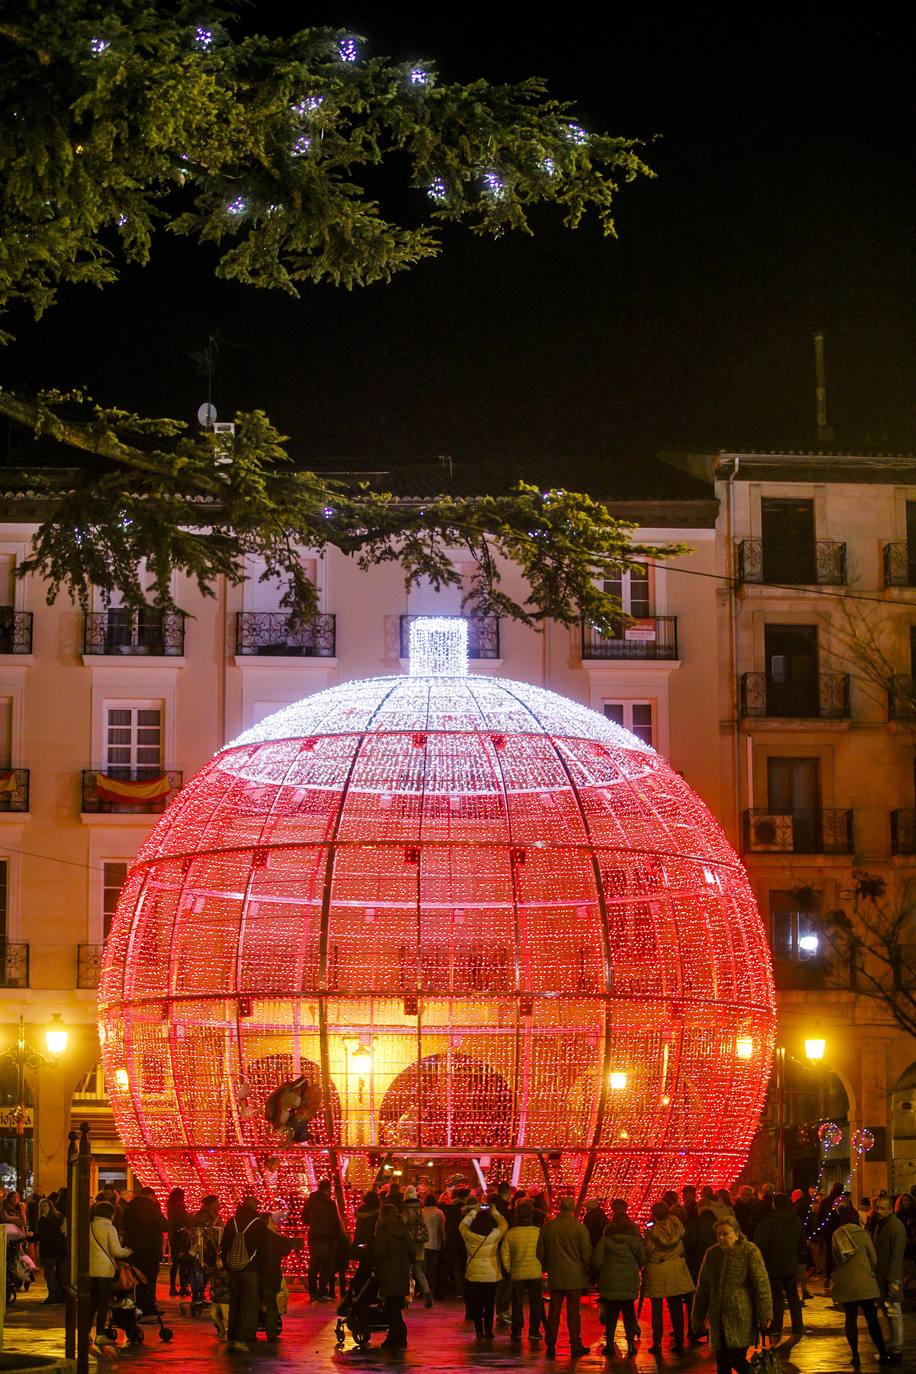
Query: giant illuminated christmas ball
[444, 923]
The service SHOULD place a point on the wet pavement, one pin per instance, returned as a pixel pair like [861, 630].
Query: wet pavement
[439, 1338]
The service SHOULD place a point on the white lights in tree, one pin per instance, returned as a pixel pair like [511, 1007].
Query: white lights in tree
[348, 50]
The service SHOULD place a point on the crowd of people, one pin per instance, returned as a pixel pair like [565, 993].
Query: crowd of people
[725, 1267]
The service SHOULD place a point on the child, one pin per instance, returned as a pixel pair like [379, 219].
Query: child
[219, 1297]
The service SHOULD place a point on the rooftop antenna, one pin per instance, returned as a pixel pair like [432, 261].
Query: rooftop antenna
[824, 431]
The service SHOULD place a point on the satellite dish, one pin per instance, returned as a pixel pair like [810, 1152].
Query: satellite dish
[206, 415]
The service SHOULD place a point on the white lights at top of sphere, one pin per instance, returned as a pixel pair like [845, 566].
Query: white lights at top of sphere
[438, 646]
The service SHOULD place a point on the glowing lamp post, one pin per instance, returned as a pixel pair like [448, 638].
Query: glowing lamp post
[506, 915]
[814, 1050]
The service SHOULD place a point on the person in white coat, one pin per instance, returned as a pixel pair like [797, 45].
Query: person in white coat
[105, 1250]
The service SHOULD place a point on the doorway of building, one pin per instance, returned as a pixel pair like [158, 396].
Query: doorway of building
[903, 1132]
[793, 788]
[791, 670]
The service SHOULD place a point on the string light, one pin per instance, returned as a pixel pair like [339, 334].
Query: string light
[534, 933]
[348, 50]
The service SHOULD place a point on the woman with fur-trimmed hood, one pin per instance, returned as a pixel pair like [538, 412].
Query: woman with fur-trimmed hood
[734, 1291]
[666, 1277]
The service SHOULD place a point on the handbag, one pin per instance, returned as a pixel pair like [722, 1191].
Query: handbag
[765, 1360]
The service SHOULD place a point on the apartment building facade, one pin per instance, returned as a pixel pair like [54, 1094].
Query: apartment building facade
[815, 554]
[104, 716]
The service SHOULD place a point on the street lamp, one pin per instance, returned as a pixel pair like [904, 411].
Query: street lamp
[25, 1057]
[814, 1053]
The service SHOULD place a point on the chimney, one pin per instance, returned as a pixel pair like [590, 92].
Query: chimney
[824, 431]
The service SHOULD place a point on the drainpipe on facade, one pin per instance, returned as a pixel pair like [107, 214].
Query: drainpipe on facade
[732, 645]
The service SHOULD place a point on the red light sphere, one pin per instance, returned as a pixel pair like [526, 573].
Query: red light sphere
[477, 926]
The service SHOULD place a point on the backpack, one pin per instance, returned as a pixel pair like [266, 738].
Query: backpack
[237, 1256]
[416, 1226]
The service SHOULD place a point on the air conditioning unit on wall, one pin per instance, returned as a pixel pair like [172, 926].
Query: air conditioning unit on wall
[771, 834]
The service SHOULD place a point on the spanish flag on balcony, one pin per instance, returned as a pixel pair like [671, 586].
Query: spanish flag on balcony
[8, 781]
[132, 793]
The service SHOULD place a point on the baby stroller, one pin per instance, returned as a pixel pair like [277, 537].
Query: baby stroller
[361, 1311]
[123, 1312]
[20, 1267]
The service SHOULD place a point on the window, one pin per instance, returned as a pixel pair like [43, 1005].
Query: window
[789, 553]
[267, 595]
[127, 629]
[795, 934]
[635, 716]
[791, 670]
[133, 740]
[794, 789]
[114, 875]
[6, 732]
[632, 590]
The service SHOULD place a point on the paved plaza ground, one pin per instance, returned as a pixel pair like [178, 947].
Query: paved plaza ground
[439, 1339]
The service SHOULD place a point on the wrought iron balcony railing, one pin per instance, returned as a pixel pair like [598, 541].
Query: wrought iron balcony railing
[646, 637]
[88, 965]
[125, 791]
[798, 832]
[14, 789]
[483, 634]
[823, 564]
[899, 565]
[903, 832]
[152, 633]
[901, 698]
[273, 634]
[761, 696]
[14, 965]
[15, 631]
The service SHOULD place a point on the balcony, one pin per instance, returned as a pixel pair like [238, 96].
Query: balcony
[798, 832]
[14, 789]
[88, 966]
[15, 631]
[823, 565]
[903, 832]
[648, 637]
[147, 633]
[761, 697]
[263, 634]
[899, 565]
[901, 699]
[14, 965]
[483, 634]
[128, 792]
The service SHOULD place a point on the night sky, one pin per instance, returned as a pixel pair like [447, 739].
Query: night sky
[783, 203]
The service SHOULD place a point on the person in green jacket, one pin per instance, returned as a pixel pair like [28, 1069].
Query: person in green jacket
[734, 1290]
[518, 1252]
[618, 1260]
[855, 1282]
[565, 1251]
